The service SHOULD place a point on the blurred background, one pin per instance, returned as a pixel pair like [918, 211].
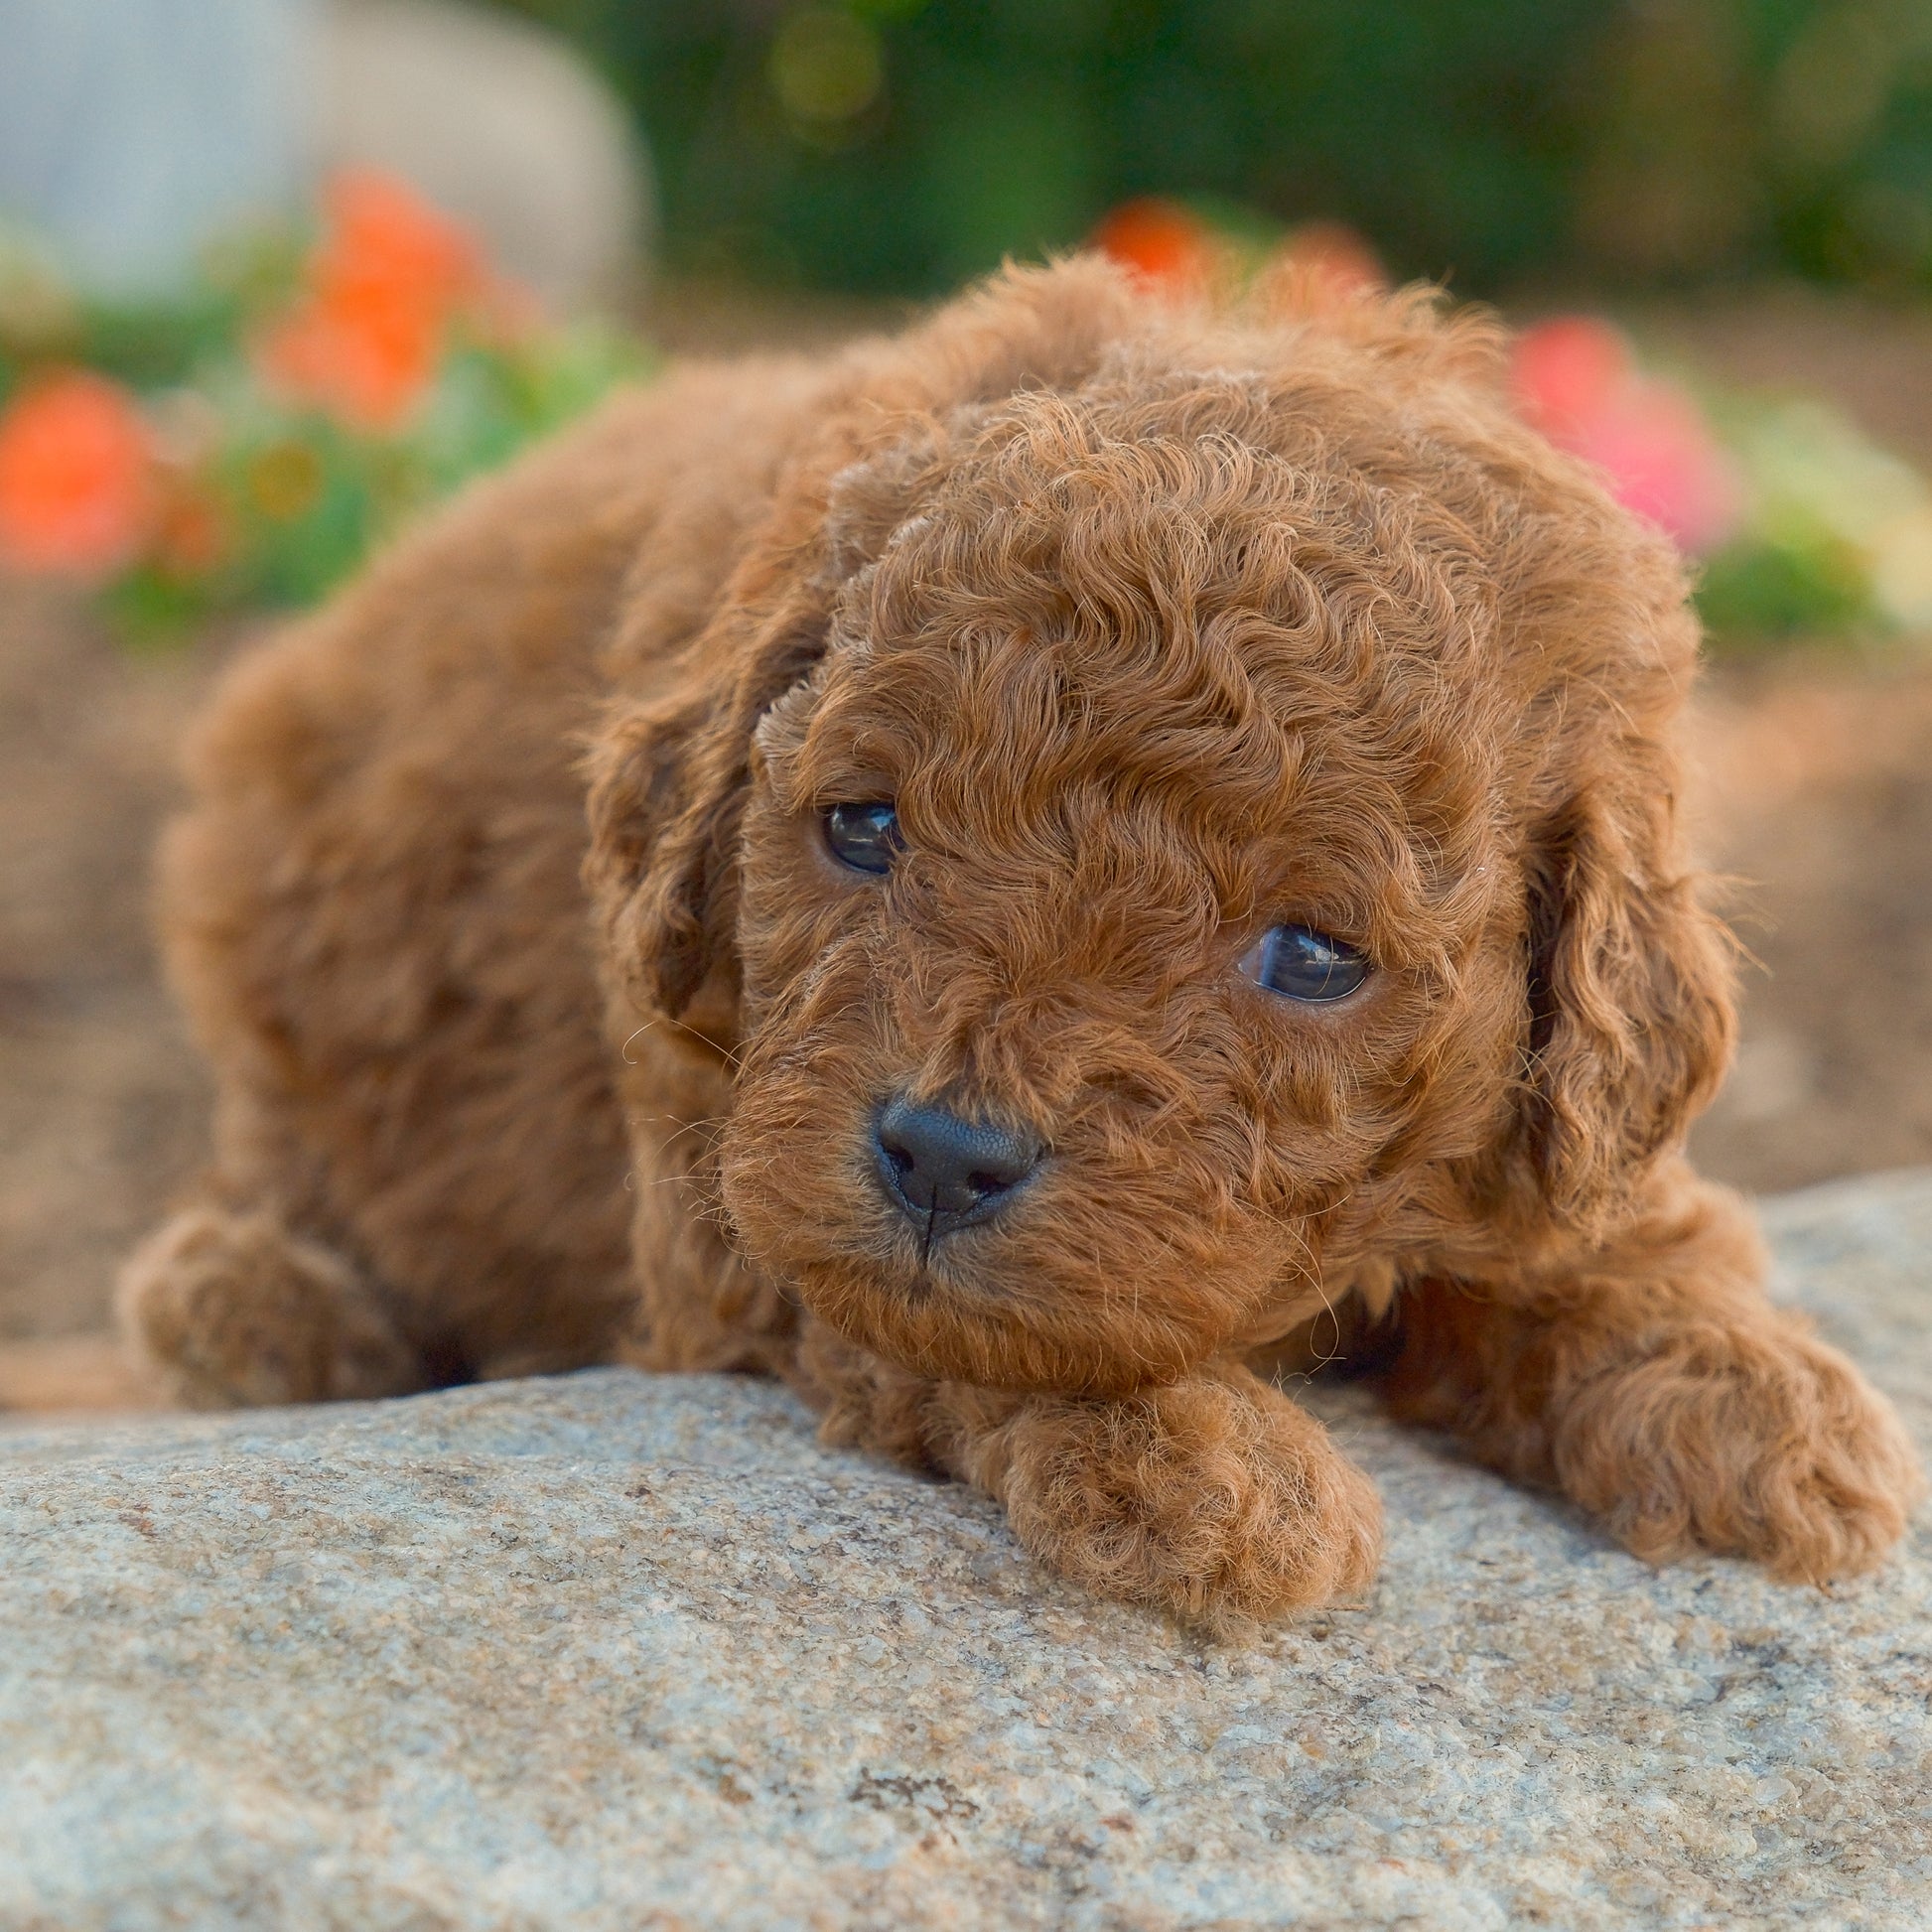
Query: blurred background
[277, 274]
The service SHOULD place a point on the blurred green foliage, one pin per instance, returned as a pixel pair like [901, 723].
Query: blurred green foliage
[900, 145]
[1756, 593]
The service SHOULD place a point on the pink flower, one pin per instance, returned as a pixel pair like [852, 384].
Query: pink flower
[1576, 380]
[1335, 262]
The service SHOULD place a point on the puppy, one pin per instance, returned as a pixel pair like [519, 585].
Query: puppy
[998, 877]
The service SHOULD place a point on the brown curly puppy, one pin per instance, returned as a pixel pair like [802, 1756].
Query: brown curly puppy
[1110, 831]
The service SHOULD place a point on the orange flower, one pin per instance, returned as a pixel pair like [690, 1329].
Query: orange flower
[389, 277]
[384, 234]
[1164, 244]
[77, 476]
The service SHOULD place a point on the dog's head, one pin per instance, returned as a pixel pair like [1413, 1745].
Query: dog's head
[1180, 830]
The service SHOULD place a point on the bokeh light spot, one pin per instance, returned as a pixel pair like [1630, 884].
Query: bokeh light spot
[826, 66]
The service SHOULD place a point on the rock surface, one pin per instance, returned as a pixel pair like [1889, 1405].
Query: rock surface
[499, 121]
[619, 1652]
[134, 132]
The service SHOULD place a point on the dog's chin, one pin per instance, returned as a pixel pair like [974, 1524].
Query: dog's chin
[951, 1330]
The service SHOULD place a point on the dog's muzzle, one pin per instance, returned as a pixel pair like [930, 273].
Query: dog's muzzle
[943, 1171]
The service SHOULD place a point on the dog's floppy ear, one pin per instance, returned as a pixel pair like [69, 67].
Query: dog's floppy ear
[667, 785]
[1630, 1002]
[668, 776]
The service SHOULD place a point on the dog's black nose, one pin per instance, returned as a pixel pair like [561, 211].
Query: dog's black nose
[946, 1173]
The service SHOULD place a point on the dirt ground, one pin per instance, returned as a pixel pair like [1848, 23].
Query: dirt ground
[102, 1104]
[1817, 800]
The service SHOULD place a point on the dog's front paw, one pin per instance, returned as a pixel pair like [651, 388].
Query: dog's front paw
[1214, 1497]
[1751, 1439]
[232, 1310]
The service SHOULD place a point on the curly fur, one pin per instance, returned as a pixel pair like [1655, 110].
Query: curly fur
[1160, 625]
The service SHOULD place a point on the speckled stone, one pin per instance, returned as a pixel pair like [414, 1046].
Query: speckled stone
[619, 1652]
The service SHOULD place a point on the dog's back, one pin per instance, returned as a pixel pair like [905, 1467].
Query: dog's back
[372, 911]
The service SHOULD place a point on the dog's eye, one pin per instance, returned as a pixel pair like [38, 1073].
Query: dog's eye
[1299, 963]
[865, 836]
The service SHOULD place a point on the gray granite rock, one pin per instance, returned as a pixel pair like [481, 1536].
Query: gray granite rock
[616, 1652]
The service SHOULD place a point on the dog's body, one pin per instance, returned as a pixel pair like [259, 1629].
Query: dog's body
[977, 723]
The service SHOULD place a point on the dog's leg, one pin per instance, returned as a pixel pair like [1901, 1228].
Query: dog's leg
[231, 1309]
[1658, 1387]
[1214, 1497]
